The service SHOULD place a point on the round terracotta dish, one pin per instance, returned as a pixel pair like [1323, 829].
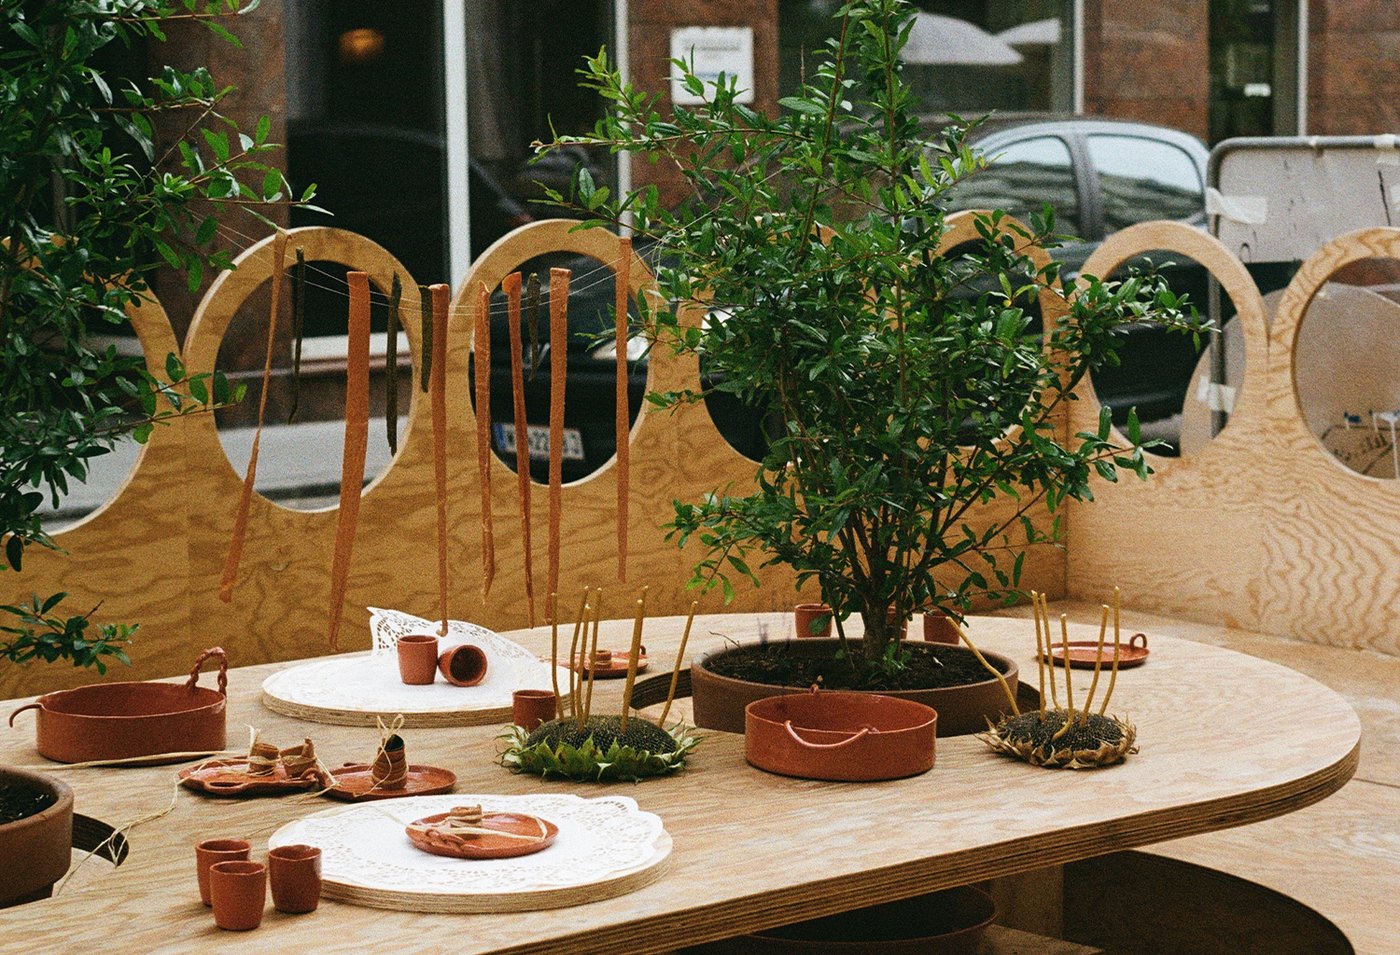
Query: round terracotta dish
[354, 782]
[612, 664]
[852, 737]
[111, 721]
[1083, 653]
[44, 841]
[486, 846]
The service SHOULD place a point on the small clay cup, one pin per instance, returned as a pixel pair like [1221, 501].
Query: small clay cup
[530, 708]
[807, 614]
[239, 892]
[464, 665]
[211, 851]
[418, 654]
[295, 873]
[939, 628]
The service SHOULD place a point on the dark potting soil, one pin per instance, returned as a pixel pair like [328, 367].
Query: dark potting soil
[20, 802]
[926, 667]
[1029, 727]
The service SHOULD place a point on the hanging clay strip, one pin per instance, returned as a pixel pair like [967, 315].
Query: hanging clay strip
[482, 344]
[391, 361]
[622, 424]
[425, 336]
[511, 285]
[438, 387]
[352, 467]
[558, 369]
[532, 310]
[245, 499]
[298, 329]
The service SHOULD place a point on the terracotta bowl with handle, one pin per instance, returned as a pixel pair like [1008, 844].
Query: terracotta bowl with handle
[855, 737]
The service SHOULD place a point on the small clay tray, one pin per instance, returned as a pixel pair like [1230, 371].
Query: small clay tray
[485, 846]
[1083, 653]
[353, 783]
[229, 777]
[615, 668]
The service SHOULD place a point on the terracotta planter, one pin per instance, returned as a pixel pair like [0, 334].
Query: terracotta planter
[295, 873]
[951, 922]
[939, 628]
[105, 721]
[418, 659]
[851, 737]
[239, 893]
[808, 614]
[43, 842]
[720, 700]
[211, 851]
[464, 665]
[530, 708]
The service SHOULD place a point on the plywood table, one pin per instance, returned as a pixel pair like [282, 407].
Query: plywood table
[1226, 740]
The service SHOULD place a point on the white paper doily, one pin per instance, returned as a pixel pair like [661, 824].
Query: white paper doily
[606, 847]
[355, 688]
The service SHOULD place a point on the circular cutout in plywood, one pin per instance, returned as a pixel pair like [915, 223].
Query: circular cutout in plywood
[357, 689]
[590, 386]
[605, 847]
[1183, 400]
[1347, 367]
[107, 474]
[304, 425]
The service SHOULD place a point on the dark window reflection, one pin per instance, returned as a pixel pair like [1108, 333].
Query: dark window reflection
[1023, 177]
[1141, 180]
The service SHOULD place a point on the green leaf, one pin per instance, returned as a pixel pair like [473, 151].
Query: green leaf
[799, 105]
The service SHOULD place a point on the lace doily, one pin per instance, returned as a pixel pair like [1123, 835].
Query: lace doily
[352, 689]
[605, 847]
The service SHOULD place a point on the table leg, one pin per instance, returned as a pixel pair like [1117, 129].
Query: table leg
[1031, 901]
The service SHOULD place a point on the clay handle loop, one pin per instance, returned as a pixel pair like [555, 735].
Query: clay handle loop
[1133, 641]
[225, 786]
[27, 706]
[223, 669]
[802, 742]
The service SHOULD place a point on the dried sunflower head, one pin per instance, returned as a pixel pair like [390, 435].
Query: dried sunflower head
[1100, 741]
[600, 752]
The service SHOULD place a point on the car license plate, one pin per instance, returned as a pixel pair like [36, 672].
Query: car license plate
[537, 436]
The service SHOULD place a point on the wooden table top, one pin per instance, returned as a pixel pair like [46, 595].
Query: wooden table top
[1226, 739]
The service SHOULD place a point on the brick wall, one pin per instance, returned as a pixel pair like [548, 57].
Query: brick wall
[649, 28]
[1148, 60]
[1353, 67]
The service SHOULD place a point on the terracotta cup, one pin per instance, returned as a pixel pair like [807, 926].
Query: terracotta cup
[211, 851]
[295, 872]
[418, 653]
[239, 893]
[807, 614]
[463, 666]
[939, 628]
[530, 708]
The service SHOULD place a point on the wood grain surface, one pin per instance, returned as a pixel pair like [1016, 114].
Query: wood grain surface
[751, 850]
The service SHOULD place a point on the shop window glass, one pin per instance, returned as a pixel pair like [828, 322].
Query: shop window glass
[1141, 180]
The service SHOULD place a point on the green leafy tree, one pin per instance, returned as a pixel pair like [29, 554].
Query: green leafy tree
[89, 207]
[915, 386]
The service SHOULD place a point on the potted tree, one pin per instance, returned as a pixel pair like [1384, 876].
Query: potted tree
[915, 386]
[89, 207]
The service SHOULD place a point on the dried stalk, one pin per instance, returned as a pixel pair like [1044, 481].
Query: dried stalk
[554, 652]
[1098, 663]
[1005, 687]
[633, 654]
[1113, 675]
[680, 659]
[1039, 653]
